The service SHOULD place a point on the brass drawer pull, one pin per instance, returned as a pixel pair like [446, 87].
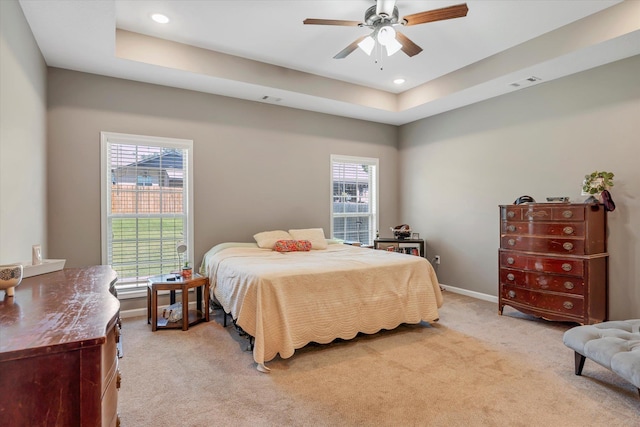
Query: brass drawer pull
[511, 294]
[567, 230]
[510, 260]
[567, 214]
[511, 228]
[510, 276]
[568, 305]
[511, 214]
[569, 285]
[567, 245]
[511, 242]
[566, 266]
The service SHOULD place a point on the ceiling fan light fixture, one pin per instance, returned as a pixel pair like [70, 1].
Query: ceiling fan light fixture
[393, 46]
[386, 35]
[367, 45]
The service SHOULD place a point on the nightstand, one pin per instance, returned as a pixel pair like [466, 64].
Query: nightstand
[173, 283]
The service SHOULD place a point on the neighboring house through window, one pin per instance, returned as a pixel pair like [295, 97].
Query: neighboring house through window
[354, 200]
[146, 205]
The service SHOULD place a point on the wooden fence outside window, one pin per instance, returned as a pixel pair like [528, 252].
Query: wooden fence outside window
[140, 199]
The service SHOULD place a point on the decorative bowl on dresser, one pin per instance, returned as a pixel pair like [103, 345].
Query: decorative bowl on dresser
[553, 261]
[58, 350]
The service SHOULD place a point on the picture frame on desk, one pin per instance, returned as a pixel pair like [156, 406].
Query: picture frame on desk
[415, 236]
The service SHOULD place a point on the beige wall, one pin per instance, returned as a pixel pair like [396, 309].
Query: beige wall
[257, 167]
[23, 210]
[457, 167]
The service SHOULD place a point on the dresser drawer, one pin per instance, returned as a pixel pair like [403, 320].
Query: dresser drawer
[573, 246]
[109, 404]
[551, 213]
[573, 229]
[542, 281]
[541, 263]
[109, 356]
[558, 303]
[542, 212]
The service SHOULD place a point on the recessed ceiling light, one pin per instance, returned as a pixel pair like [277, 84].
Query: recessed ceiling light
[399, 81]
[160, 18]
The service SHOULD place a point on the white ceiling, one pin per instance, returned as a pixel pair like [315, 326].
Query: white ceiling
[465, 60]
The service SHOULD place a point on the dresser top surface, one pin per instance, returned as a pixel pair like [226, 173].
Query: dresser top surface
[70, 307]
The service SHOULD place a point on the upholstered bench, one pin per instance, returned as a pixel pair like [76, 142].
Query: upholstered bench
[614, 345]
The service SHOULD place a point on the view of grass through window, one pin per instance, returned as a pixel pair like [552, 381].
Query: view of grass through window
[144, 247]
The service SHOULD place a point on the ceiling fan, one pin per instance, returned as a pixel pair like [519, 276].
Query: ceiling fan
[382, 18]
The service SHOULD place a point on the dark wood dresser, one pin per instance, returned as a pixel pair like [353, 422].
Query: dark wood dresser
[58, 350]
[553, 261]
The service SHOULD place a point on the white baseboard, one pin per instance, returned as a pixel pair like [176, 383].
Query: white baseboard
[468, 293]
[136, 312]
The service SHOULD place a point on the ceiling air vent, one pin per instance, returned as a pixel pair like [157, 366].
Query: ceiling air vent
[529, 81]
[271, 98]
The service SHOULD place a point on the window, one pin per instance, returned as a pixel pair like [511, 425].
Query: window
[354, 199]
[146, 205]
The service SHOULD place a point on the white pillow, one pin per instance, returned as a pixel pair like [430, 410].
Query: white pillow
[314, 235]
[268, 239]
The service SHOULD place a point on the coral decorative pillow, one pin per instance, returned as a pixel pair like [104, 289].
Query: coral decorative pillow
[314, 235]
[292, 245]
[267, 239]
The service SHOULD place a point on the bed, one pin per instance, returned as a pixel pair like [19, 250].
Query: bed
[287, 300]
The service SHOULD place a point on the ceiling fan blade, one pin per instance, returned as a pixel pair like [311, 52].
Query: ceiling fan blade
[408, 47]
[312, 21]
[457, 11]
[347, 50]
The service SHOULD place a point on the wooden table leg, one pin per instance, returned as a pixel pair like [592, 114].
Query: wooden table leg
[199, 299]
[206, 302]
[148, 305]
[154, 309]
[185, 308]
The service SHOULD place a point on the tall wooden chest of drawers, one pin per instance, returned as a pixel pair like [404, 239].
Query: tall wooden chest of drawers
[553, 261]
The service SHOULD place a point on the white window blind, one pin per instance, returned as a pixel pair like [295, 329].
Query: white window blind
[354, 200]
[146, 193]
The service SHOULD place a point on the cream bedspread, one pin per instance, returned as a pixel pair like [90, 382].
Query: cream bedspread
[286, 300]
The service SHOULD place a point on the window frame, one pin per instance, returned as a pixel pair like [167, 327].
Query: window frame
[109, 138]
[374, 195]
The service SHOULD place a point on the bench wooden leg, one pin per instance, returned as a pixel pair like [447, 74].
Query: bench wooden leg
[579, 363]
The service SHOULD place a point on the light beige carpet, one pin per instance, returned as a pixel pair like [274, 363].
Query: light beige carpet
[472, 368]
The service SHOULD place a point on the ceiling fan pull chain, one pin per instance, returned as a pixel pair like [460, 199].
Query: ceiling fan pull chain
[378, 56]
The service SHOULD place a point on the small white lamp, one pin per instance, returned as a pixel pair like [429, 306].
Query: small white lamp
[181, 248]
